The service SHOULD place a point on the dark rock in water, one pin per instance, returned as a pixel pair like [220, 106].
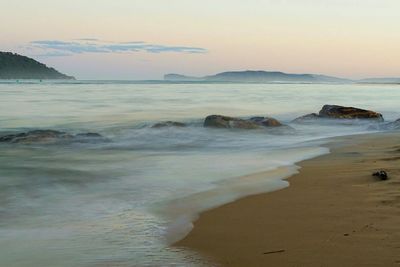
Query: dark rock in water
[219, 121]
[382, 175]
[89, 135]
[8, 138]
[36, 136]
[307, 118]
[168, 124]
[89, 138]
[243, 124]
[340, 112]
[266, 121]
[46, 136]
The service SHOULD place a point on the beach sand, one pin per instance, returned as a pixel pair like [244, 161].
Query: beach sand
[333, 214]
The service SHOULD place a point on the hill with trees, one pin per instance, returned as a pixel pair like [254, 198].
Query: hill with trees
[14, 66]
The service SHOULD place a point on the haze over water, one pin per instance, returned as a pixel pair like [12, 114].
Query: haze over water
[122, 202]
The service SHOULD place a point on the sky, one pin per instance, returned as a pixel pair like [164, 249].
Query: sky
[145, 39]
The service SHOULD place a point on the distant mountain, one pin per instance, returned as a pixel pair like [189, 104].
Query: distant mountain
[14, 66]
[259, 77]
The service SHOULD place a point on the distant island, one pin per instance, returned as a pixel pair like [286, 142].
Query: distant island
[381, 80]
[250, 76]
[259, 77]
[14, 66]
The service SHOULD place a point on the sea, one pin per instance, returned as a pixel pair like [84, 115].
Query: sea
[125, 200]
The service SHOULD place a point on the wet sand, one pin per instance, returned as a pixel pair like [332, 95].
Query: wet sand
[333, 214]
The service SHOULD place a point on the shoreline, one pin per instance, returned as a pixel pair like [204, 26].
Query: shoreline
[334, 213]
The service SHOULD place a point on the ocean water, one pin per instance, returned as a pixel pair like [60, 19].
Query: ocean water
[123, 202]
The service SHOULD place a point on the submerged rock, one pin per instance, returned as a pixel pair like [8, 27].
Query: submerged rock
[89, 138]
[168, 124]
[89, 135]
[266, 121]
[341, 112]
[220, 121]
[36, 136]
[307, 118]
[46, 136]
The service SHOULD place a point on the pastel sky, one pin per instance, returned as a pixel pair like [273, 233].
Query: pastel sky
[144, 39]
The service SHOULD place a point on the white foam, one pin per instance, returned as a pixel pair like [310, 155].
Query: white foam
[182, 212]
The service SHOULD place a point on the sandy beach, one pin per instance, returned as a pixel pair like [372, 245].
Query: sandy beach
[333, 214]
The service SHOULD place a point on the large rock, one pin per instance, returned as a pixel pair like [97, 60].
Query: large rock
[46, 136]
[340, 112]
[168, 124]
[220, 121]
[266, 121]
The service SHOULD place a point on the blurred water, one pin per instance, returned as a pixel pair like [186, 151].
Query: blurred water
[120, 203]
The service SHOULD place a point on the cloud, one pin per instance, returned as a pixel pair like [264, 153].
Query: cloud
[91, 45]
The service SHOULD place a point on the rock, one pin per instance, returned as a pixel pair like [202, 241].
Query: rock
[382, 175]
[36, 136]
[244, 124]
[340, 112]
[307, 118]
[89, 138]
[266, 121]
[47, 136]
[168, 124]
[89, 135]
[219, 121]
[8, 138]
